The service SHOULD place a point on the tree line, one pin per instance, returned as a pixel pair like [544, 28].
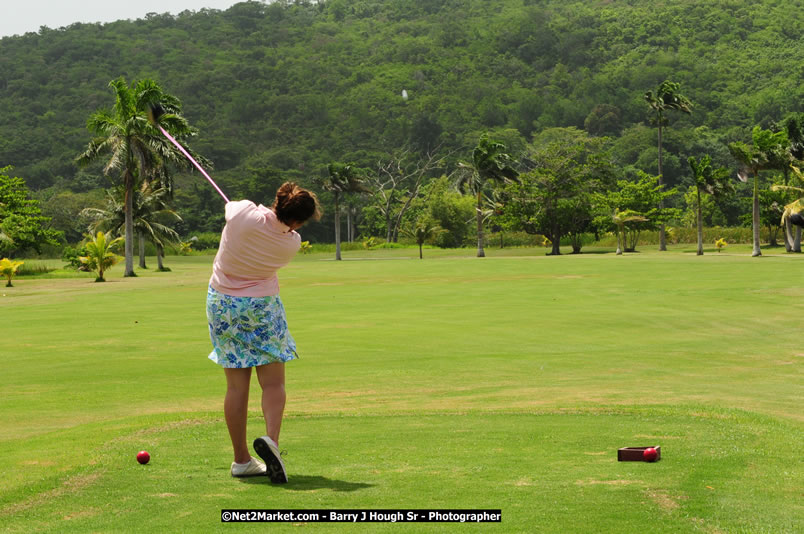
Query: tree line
[285, 90]
[564, 184]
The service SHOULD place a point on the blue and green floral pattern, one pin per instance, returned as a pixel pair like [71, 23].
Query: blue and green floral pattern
[248, 331]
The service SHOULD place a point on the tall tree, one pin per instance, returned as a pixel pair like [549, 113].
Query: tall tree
[22, 225]
[640, 198]
[136, 150]
[667, 98]
[490, 163]
[344, 178]
[397, 184]
[767, 149]
[708, 180]
[554, 199]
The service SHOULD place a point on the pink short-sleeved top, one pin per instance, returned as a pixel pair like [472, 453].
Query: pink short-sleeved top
[254, 246]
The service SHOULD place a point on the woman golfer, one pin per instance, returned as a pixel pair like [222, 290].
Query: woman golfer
[247, 322]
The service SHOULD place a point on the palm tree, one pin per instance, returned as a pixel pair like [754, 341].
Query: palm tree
[710, 181]
[422, 231]
[667, 98]
[151, 210]
[620, 218]
[136, 149]
[8, 268]
[765, 152]
[792, 214]
[343, 178]
[100, 255]
[494, 210]
[794, 124]
[490, 162]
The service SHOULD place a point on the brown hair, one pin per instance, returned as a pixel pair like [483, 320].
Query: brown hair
[294, 204]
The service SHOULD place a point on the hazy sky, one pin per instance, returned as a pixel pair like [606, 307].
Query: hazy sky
[21, 16]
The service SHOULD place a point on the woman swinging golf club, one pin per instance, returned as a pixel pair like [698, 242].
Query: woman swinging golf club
[247, 322]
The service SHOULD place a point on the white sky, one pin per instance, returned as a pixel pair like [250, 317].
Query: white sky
[22, 16]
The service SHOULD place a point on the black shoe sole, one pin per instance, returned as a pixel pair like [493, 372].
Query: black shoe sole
[273, 466]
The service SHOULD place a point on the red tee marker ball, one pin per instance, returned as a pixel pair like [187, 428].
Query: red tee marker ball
[143, 457]
[650, 454]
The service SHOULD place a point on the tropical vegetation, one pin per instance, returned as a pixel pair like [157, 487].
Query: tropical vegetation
[390, 86]
[423, 231]
[100, 253]
[707, 181]
[22, 224]
[135, 151]
[8, 268]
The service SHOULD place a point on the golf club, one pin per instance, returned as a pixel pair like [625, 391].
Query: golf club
[154, 112]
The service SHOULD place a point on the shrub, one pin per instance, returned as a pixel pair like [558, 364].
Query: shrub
[71, 256]
[100, 255]
[33, 268]
[732, 235]
[8, 268]
[205, 240]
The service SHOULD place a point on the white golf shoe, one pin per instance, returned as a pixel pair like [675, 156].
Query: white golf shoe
[269, 452]
[253, 468]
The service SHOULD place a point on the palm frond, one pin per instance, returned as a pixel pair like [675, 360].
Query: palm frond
[104, 123]
[779, 187]
[124, 106]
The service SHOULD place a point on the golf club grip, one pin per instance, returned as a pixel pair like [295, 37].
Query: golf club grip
[194, 162]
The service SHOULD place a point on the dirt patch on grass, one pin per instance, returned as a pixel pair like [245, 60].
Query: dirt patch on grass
[69, 486]
[82, 514]
[665, 501]
[41, 463]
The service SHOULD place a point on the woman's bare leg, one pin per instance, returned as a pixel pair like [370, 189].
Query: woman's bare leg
[272, 381]
[235, 408]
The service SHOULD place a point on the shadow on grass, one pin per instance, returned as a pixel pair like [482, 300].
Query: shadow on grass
[309, 483]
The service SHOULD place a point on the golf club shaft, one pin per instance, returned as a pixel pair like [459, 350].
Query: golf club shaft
[194, 162]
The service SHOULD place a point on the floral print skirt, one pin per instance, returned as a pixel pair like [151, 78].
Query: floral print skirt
[248, 331]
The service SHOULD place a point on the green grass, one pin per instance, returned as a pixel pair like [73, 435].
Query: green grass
[454, 382]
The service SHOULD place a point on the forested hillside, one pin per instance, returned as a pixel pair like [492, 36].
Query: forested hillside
[280, 90]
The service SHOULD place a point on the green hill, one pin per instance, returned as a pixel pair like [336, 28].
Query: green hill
[285, 88]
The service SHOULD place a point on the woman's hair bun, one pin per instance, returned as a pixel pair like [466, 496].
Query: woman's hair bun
[295, 204]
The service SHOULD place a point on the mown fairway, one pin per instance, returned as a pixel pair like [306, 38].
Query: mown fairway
[454, 382]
